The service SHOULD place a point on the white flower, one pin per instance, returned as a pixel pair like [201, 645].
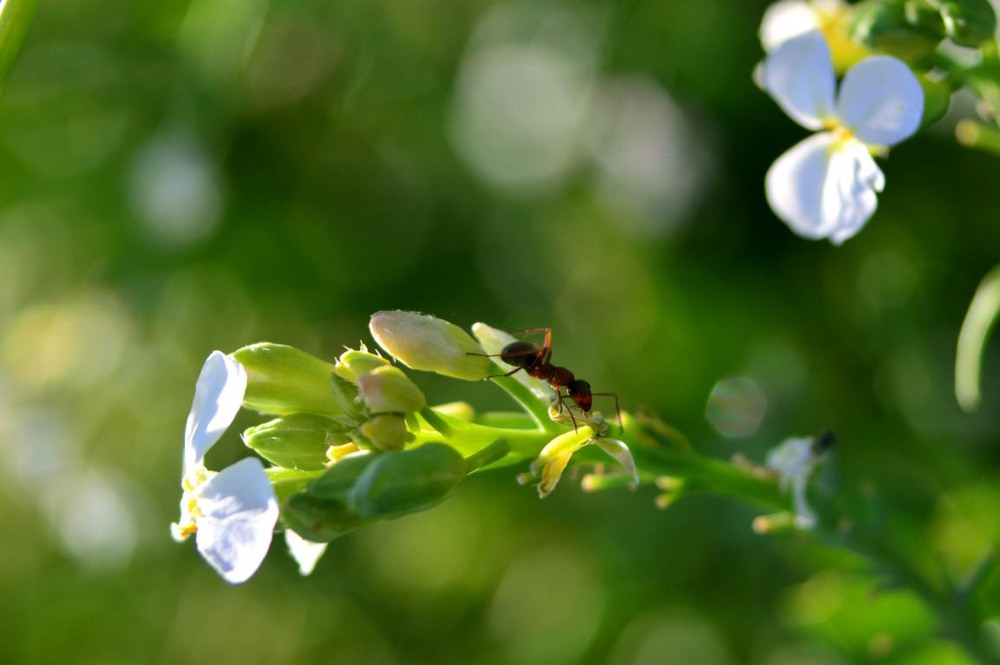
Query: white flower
[825, 187]
[794, 461]
[233, 512]
[787, 19]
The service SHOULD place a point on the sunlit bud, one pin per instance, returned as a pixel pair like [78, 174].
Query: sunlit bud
[408, 481]
[389, 390]
[459, 410]
[386, 431]
[428, 343]
[320, 520]
[968, 22]
[283, 380]
[297, 441]
[907, 31]
[776, 523]
[354, 362]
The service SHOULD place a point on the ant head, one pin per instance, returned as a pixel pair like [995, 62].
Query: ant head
[579, 392]
[520, 354]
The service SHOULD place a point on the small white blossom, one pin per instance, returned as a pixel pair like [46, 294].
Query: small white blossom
[794, 461]
[787, 19]
[232, 512]
[826, 186]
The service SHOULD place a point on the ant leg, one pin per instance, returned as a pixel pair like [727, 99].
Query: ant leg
[500, 376]
[618, 410]
[562, 404]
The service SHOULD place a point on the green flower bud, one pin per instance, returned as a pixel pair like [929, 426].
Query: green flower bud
[287, 482]
[338, 481]
[389, 390]
[425, 342]
[385, 432]
[967, 22]
[353, 363]
[408, 481]
[282, 380]
[297, 441]
[320, 520]
[907, 30]
[937, 96]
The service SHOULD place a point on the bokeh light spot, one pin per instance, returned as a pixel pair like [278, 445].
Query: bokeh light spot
[736, 407]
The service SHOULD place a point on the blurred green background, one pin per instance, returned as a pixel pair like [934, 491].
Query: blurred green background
[180, 176]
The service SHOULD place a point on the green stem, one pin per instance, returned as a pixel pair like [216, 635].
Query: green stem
[537, 408]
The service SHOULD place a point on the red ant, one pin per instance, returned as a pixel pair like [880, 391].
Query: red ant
[535, 361]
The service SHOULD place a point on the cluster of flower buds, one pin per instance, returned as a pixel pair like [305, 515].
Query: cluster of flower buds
[350, 443]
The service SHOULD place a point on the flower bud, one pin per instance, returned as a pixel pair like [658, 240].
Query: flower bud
[430, 344]
[937, 97]
[384, 432]
[905, 30]
[389, 390]
[398, 483]
[319, 520]
[353, 363]
[338, 481]
[282, 380]
[967, 22]
[297, 441]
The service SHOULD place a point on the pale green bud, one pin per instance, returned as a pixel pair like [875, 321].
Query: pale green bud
[338, 481]
[353, 363]
[408, 481]
[320, 520]
[386, 431]
[389, 390]
[430, 344]
[967, 22]
[906, 30]
[297, 441]
[282, 380]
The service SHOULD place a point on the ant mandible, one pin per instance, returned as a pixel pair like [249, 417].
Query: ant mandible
[536, 362]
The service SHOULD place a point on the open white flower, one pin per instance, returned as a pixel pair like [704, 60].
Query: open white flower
[233, 512]
[826, 186]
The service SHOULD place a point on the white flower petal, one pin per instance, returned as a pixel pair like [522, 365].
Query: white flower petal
[794, 186]
[824, 187]
[620, 452]
[785, 20]
[881, 101]
[850, 195]
[799, 76]
[217, 399]
[305, 552]
[238, 510]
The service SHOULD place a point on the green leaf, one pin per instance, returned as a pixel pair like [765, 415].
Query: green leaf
[15, 17]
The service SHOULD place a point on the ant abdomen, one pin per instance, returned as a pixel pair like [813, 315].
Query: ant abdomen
[520, 354]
